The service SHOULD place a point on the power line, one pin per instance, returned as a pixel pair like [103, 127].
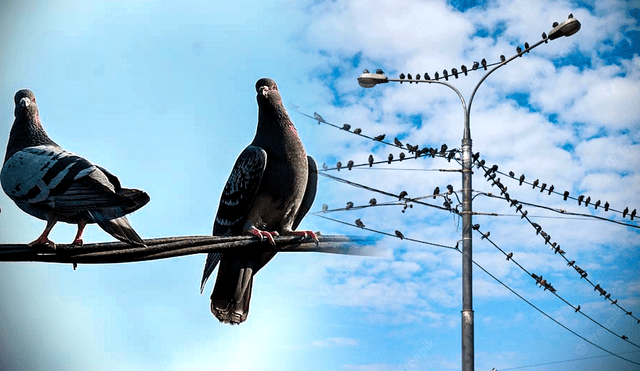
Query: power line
[495, 278]
[490, 177]
[547, 286]
[563, 361]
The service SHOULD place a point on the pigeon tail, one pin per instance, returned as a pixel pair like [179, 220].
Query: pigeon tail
[119, 228]
[232, 291]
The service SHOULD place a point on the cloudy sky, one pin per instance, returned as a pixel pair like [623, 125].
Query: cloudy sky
[161, 93]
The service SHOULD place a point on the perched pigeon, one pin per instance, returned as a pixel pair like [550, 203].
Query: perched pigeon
[55, 185]
[271, 188]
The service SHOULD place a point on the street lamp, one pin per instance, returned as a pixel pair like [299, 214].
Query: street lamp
[369, 80]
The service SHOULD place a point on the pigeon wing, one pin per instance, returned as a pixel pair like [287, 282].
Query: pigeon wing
[236, 199]
[50, 178]
[309, 193]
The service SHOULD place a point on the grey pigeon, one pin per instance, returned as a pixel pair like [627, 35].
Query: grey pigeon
[55, 185]
[271, 188]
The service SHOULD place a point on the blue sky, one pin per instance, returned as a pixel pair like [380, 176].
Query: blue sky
[162, 94]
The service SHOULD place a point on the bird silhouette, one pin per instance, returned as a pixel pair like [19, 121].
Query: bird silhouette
[357, 131]
[521, 179]
[390, 158]
[535, 183]
[338, 165]
[436, 192]
[379, 138]
[359, 223]
[370, 160]
[397, 142]
[350, 164]
[346, 127]
[399, 235]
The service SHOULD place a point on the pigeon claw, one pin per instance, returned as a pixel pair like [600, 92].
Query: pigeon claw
[43, 241]
[305, 235]
[262, 234]
[77, 242]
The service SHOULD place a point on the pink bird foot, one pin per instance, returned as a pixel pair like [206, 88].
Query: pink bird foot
[305, 235]
[44, 241]
[262, 234]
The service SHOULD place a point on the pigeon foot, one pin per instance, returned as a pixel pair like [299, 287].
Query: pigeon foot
[43, 241]
[305, 235]
[262, 234]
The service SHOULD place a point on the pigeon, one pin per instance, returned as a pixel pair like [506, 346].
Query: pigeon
[510, 255]
[390, 158]
[271, 188]
[317, 116]
[373, 202]
[349, 205]
[402, 156]
[521, 179]
[399, 235]
[402, 195]
[397, 142]
[357, 131]
[450, 188]
[359, 223]
[379, 138]
[338, 165]
[370, 159]
[346, 127]
[436, 192]
[55, 185]
[350, 164]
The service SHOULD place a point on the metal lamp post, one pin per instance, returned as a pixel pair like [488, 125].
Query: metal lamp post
[369, 80]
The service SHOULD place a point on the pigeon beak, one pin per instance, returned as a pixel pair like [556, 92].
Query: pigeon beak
[25, 102]
[264, 90]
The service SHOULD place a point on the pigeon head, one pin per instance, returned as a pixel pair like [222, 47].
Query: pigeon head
[267, 90]
[270, 107]
[27, 131]
[26, 106]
